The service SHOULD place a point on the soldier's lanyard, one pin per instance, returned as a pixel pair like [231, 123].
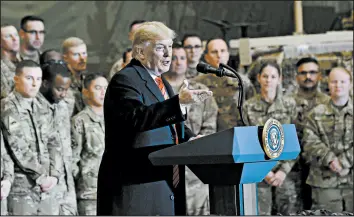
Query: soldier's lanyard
[37, 138]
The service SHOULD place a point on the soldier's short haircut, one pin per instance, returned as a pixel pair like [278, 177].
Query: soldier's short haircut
[188, 35]
[135, 22]
[44, 56]
[71, 42]
[24, 64]
[51, 70]
[306, 60]
[272, 64]
[25, 19]
[212, 39]
[88, 78]
[125, 54]
[176, 45]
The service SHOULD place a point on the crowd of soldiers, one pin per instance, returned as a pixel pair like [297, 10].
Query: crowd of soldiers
[52, 125]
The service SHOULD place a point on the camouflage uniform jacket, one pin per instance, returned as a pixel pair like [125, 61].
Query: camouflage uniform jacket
[29, 132]
[26, 57]
[117, 66]
[8, 69]
[328, 135]
[7, 165]
[7, 173]
[88, 146]
[257, 112]
[74, 98]
[225, 91]
[304, 103]
[201, 118]
[61, 116]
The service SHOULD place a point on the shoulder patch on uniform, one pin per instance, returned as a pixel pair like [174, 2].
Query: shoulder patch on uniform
[78, 125]
[12, 123]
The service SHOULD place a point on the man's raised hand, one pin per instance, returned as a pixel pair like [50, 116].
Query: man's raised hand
[188, 97]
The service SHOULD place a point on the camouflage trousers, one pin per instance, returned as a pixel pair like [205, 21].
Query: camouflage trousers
[332, 199]
[87, 207]
[66, 198]
[197, 195]
[288, 197]
[285, 199]
[265, 198]
[4, 207]
[32, 202]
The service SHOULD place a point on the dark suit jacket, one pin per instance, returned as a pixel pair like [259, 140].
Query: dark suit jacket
[139, 121]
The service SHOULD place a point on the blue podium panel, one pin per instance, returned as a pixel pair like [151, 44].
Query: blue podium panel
[248, 148]
[255, 172]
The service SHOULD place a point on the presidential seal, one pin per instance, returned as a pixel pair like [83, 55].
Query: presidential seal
[273, 138]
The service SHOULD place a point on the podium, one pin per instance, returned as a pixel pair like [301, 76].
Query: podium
[231, 162]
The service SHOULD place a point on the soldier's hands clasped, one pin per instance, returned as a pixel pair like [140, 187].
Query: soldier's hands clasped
[48, 183]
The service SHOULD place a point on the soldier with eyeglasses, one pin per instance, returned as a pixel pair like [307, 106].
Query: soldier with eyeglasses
[307, 96]
[32, 34]
[192, 44]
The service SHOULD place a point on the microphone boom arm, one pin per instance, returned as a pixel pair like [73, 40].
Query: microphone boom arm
[240, 94]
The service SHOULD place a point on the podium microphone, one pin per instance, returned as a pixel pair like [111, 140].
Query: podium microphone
[208, 69]
[225, 70]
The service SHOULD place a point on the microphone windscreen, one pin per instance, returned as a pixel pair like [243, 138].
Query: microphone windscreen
[202, 67]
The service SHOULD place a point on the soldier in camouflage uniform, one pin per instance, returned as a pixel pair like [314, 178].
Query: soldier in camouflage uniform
[194, 49]
[7, 175]
[56, 82]
[271, 104]
[225, 90]
[88, 143]
[53, 56]
[75, 55]
[307, 97]
[328, 146]
[287, 67]
[32, 35]
[10, 46]
[28, 130]
[201, 120]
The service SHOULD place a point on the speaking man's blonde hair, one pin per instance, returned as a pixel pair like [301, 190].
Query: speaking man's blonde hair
[71, 42]
[148, 32]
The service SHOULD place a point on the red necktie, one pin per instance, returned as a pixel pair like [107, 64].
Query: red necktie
[175, 179]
